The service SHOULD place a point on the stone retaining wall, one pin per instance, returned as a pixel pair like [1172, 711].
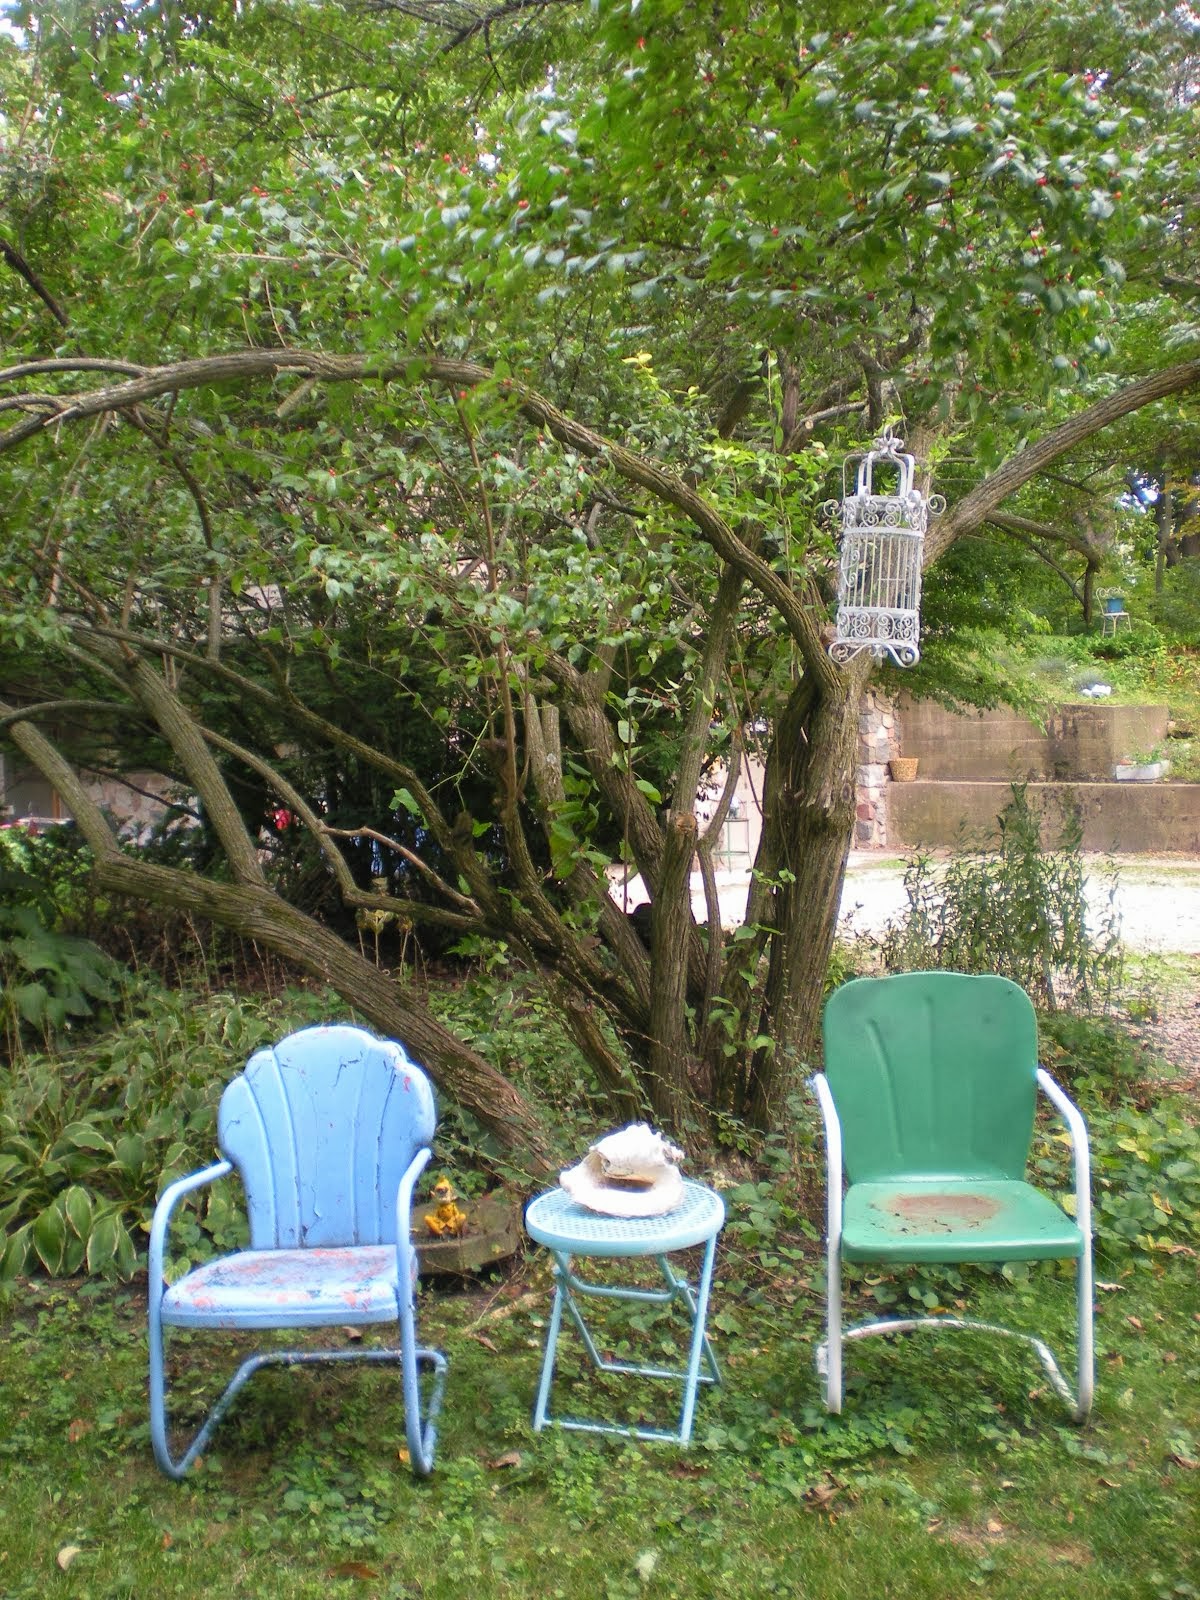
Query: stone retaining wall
[1079, 742]
[1132, 818]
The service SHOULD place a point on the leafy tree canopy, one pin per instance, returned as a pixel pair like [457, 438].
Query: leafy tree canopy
[416, 415]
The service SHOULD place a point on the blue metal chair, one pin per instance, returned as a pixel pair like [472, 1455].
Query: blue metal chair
[329, 1131]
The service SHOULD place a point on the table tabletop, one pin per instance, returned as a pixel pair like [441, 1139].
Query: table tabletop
[555, 1220]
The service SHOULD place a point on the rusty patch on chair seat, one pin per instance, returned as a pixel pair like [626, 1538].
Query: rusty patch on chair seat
[943, 1210]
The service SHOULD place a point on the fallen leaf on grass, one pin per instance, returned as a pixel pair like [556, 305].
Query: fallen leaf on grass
[822, 1494]
[77, 1430]
[1108, 1483]
[1134, 1322]
[482, 1338]
[645, 1564]
[510, 1458]
[67, 1554]
[994, 1525]
[1186, 1462]
[403, 1455]
[353, 1569]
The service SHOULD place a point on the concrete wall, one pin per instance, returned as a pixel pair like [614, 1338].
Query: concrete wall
[1080, 742]
[1133, 818]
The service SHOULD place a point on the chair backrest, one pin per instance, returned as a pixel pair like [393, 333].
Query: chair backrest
[933, 1074]
[321, 1129]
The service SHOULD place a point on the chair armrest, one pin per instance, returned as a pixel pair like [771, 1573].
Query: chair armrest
[833, 1154]
[405, 1256]
[1077, 1129]
[170, 1198]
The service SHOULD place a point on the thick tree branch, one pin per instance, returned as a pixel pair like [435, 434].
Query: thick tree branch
[255, 912]
[987, 496]
[798, 612]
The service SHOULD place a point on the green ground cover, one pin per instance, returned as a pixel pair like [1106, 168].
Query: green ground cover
[952, 1469]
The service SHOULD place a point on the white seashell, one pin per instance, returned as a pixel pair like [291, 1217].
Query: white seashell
[629, 1173]
[636, 1152]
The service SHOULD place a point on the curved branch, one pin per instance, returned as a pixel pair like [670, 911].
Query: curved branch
[435, 879]
[795, 610]
[48, 708]
[977, 506]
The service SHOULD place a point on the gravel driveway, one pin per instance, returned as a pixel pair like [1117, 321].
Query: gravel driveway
[1159, 900]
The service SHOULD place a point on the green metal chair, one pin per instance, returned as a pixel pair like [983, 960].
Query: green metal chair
[928, 1099]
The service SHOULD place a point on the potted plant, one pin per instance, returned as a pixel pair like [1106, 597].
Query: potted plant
[1146, 767]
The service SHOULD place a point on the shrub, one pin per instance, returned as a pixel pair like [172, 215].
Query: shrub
[87, 1138]
[1011, 906]
[49, 977]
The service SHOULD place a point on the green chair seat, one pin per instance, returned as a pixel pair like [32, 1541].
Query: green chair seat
[932, 1219]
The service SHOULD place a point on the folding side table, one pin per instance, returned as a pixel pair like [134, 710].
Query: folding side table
[568, 1229]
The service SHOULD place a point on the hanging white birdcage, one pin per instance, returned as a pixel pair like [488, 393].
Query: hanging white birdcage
[879, 572]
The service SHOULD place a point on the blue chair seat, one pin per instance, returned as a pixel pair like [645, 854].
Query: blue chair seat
[287, 1288]
[935, 1219]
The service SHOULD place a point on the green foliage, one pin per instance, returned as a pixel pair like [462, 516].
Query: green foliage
[1009, 905]
[1096, 1056]
[511, 1017]
[49, 979]
[1147, 1183]
[87, 1139]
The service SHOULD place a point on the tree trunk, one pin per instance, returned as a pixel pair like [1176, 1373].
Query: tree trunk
[1089, 590]
[810, 814]
[670, 934]
[256, 912]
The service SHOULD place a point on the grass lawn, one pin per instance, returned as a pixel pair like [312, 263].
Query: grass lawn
[952, 1470]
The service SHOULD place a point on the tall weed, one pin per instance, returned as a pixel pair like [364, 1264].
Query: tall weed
[1007, 904]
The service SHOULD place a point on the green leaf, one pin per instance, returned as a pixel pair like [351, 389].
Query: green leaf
[14, 1259]
[130, 1153]
[76, 1204]
[102, 1243]
[50, 1238]
[84, 1136]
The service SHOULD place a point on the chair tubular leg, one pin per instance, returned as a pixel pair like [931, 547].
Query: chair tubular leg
[420, 1428]
[832, 1347]
[1079, 1401]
